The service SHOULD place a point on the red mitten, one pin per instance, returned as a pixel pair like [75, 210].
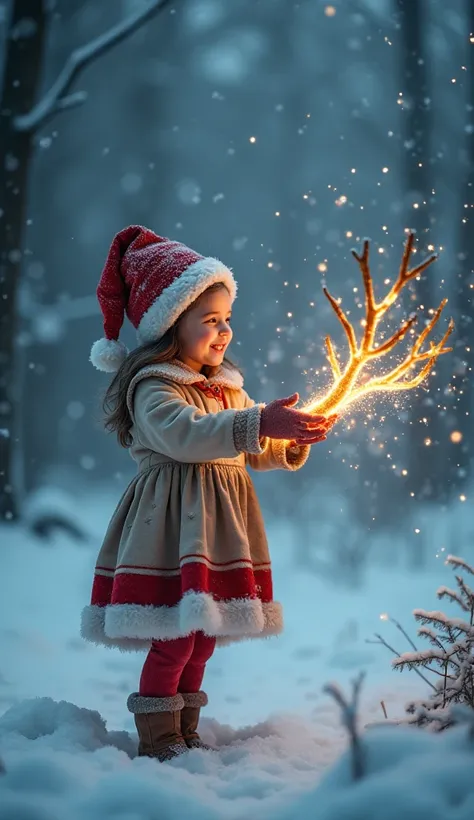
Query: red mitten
[280, 420]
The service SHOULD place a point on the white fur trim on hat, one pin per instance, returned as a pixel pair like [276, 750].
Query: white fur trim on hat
[178, 296]
[108, 354]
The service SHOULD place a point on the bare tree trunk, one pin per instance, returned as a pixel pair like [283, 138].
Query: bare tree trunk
[24, 56]
[460, 452]
[21, 117]
[425, 477]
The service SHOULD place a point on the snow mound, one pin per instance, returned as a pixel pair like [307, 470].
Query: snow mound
[64, 725]
[409, 773]
[50, 512]
[61, 761]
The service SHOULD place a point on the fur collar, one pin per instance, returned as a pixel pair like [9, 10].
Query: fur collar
[178, 372]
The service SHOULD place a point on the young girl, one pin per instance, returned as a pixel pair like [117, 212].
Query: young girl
[185, 563]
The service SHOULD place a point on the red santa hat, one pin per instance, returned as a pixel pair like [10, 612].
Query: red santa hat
[152, 280]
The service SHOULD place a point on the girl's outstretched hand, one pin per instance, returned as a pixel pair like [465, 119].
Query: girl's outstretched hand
[280, 420]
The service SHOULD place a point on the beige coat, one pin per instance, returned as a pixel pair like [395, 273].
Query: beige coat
[186, 548]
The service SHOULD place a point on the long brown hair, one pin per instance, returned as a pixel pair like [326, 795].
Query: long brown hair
[117, 414]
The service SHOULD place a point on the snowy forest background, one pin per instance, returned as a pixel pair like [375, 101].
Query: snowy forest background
[275, 135]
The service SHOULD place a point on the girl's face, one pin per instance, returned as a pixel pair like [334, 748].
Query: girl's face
[204, 332]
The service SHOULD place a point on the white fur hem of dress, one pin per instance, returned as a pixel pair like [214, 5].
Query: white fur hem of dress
[132, 627]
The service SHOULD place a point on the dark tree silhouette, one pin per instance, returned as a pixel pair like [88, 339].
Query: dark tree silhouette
[426, 433]
[22, 117]
[24, 58]
[460, 450]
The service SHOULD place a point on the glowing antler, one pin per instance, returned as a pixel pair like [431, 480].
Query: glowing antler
[345, 388]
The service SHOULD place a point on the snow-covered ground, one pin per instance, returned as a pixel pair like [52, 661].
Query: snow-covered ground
[68, 742]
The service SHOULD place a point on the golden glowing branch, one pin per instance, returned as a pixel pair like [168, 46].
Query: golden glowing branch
[350, 332]
[346, 387]
[336, 370]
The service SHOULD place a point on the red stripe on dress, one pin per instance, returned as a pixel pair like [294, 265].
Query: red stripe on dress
[264, 564]
[235, 583]
[101, 590]
[149, 590]
[225, 563]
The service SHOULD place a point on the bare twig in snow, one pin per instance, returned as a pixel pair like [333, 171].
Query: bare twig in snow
[451, 657]
[381, 640]
[455, 561]
[57, 98]
[349, 719]
[404, 633]
[384, 709]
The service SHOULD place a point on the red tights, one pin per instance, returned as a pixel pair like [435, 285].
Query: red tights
[176, 666]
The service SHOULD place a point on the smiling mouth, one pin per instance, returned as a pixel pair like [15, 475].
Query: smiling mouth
[219, 348]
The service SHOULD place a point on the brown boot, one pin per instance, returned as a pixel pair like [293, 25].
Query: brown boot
[158, 722]
[190, 719]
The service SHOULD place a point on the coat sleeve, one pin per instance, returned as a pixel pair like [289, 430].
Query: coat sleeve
[168, 424]
[276, 454]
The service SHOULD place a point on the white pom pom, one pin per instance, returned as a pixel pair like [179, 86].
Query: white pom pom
[108, 354]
